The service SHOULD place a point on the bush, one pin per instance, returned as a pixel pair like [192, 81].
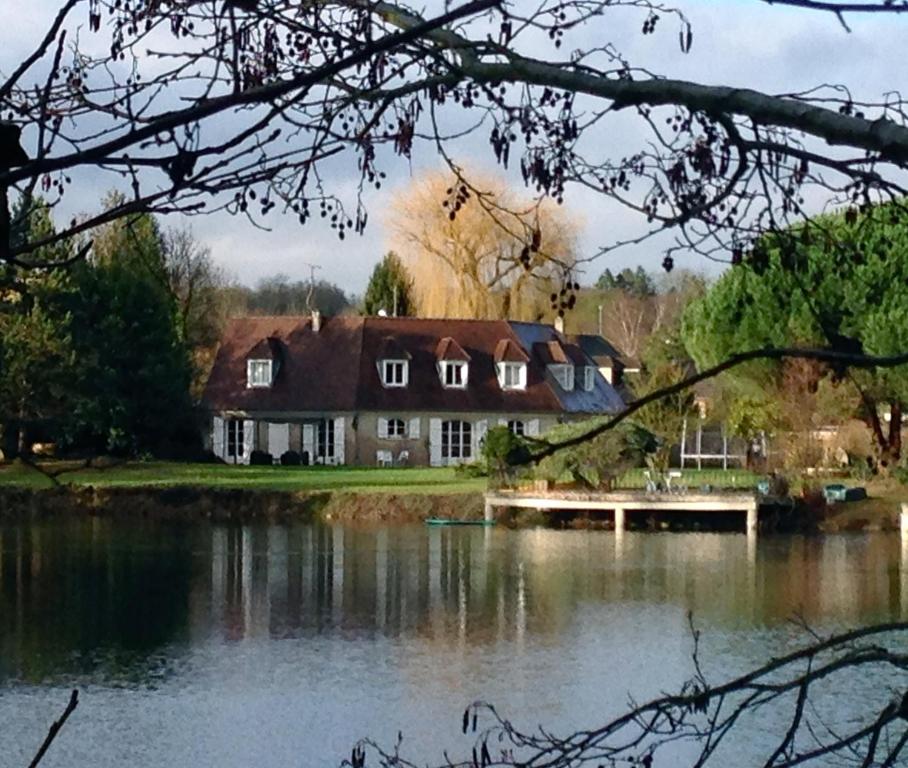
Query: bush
[261, 459]
[290, 459]
[503, 452]
[594, 463]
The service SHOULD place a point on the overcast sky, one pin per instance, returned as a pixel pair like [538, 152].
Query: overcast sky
[736, 42]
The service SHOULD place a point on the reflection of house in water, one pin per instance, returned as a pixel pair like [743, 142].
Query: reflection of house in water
[283, 580]
[480, 586]
[131, 588]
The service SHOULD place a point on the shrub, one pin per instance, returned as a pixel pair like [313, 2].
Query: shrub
[290, 459]
[503, 452]
[261, 459]
[596, 462]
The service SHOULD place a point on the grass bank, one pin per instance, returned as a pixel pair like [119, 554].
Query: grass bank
[366, 480]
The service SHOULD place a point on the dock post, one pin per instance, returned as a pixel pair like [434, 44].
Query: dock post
[619, 518]
[488, 512]
[752, 519]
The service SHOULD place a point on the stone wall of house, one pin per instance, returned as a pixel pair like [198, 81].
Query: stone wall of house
[365, 441]
[416, 450]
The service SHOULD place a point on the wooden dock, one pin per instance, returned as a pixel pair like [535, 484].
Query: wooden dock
[621, 502]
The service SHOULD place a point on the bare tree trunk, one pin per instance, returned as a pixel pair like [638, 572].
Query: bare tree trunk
[895, 431]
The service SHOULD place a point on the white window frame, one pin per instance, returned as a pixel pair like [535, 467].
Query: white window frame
[325, 444]
[564, 375]
[389, 365]
[252, 366]
[589, 378]
[449, 366]
[456, 441]
[518, 373]
[517, 427]
[384, 458]
[396, 429]
[234, 439]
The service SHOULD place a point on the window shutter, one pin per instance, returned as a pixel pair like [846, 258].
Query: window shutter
[278, 440]
[217, 437]
[502, 422]
[248, 439]
[413, 428]
[435, 442]
[382, 427]
[480, 428]
[532, 428]
[339, 431]
[309, 441]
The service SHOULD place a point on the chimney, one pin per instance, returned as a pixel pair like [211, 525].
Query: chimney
[316, 321]
[559, 324]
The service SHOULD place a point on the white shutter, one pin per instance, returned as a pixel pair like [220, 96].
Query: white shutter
[435, 442]
[309, 442]
[502, 422]
[479, 435]
[217, 437]
[339, 434]
[382, 428]
[248, 439]
[413, 429]
[278, 440]
[531, 428]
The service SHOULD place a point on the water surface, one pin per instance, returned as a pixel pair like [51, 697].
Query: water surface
[270, 645]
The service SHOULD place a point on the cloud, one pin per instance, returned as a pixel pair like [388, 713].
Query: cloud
[746, 43]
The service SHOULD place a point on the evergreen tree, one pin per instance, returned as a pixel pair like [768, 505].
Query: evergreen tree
[36, 354]
[389, 288]
[134, 366]
[839, 281]
[636, 282]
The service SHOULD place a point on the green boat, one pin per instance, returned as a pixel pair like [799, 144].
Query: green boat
[448, 521]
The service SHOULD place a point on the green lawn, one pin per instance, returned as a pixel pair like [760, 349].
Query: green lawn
[694, 479]
[309, 479]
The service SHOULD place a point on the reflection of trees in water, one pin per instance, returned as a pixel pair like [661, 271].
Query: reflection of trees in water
[469, 585]
[82, 594]
[72, 602]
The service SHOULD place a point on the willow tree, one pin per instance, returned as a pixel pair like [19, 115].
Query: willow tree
[501, 258]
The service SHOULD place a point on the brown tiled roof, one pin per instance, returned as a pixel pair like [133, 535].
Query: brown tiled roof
[576, 355]
[449, 349]
[335, 369]
[390, 349]
[420, 337]
[267, 349]
[318, 373]
[550, 353]
[507, 351]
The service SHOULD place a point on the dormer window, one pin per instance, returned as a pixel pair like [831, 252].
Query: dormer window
[453, 363]
[453, 374]
[394, 373]
[589, 378]
[512, 375]
[564, 375]
[259, 373]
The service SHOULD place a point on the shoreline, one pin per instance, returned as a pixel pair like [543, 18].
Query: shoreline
[188, 503]
[204, 503]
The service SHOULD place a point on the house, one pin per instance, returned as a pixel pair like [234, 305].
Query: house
[389, 391]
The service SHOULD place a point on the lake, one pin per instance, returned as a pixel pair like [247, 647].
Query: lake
[281, 645]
